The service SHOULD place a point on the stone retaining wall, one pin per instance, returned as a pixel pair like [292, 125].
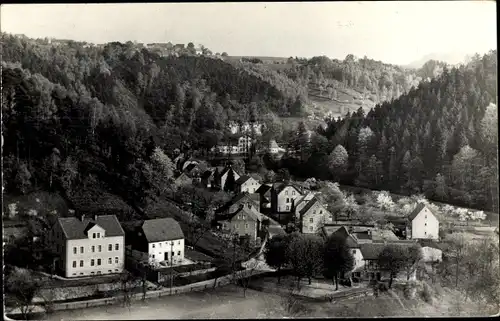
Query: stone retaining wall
[200, 286]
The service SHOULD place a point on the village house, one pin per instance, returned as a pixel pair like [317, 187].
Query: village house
[274, 148]
[183, 180]
[366, 253]
[422, 224]
[244, 144]
[244, 222]
[222, 175]
[283, 196]
[161, 240]
[87, 246]
[312, 216]
[264, 192]
[247, 184]
[243, 199]
[208, 178]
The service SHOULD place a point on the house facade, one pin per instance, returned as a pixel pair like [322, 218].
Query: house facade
[423, 224]
[244, 144]
[161, 239]
[313, 217]
[88, 246]
[283, 197]
[247, 184]
[243, 222]
[222, 177]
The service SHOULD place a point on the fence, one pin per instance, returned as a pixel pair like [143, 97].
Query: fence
[200, 286]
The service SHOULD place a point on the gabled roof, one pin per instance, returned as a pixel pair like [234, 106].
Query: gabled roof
[279, 187]
[383, 235]
[243, 179]
[207, 174]
[264, 188]
[162, 229]
[309, 204]
[74, 228]
[417, 210]
[349, 239]
[241, 210]
[273, 144]
[235, 200]
[371, 251]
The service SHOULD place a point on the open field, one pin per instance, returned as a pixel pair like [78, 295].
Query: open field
[229, 302]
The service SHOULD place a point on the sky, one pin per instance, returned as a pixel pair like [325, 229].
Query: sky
[393, 32]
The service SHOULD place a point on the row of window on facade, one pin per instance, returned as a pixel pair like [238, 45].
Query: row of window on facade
[236, 225]
[172, 253]
[99, 248]
[93, 262]
[98, 272]
[167, 243]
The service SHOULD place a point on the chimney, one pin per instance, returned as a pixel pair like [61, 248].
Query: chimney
[82, 217]
[94, 217]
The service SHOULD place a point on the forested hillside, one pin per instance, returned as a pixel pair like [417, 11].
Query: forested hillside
[440, 138]
[70, 109]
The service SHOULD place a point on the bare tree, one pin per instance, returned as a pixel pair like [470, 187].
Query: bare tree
[22, 288]
[128, 283]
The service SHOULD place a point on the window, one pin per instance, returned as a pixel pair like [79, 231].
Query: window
[286, 192]
[117, 246]
[100, 248]
[109, 271]
[81, 263]
[173, 254]
[98, 261]
[320, 211]
[93, 235]
[243, 217]
[311, 220]
[81, 249]
[81, 273]
[74, 273]
[287, 200]
[293, 192]
[110, 261]
[425, 233]
[93, 249]
[116, 259]
[74, 250]
[98, 235]
[153, 246]
[246, 225]
[110, 247]
[178, 242]
[92, 262]
[74, 264]
[425, 215]
[178, 252]
[236, 225]
[425, 224]
[92, 273]
[287, 208]
[314, 212]
[153, 256]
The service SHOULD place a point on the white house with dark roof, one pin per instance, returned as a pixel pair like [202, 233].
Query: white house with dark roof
[422, 223]
[88, 245]
[161, 239]
[283, 197]
[313, 216]
[247, 184]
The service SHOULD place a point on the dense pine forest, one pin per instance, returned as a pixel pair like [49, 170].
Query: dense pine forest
[95, 114]
[440, 139]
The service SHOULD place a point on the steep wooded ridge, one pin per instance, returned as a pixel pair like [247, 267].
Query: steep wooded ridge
[75, 116]
[440, 138]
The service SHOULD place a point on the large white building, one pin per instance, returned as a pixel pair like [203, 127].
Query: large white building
[88, 246]
[423, 224]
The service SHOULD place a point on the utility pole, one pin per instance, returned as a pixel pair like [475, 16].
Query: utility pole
[171, 265]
